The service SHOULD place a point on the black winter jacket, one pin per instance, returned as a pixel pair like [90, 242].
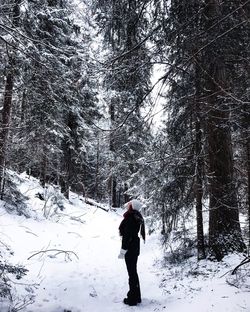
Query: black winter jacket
[129, 229]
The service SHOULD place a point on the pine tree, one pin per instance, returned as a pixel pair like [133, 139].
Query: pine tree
[127, 82]
[58, 98]
[224, 227]
[203, 40]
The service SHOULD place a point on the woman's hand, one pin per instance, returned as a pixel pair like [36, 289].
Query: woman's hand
[122, 254]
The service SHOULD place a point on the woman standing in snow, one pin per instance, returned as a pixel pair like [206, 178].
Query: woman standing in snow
[129, 228]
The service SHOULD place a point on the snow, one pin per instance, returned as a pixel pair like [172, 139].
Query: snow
[88, 276]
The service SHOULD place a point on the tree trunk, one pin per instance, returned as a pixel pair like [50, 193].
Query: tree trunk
[66, 170]
[246, 148]
[163, 217]
[199, 187]
[246, 125]
[6, 112]
[43, 171]
[114, 192]
[112, 182]
[248, 189]
[7, 99]
[97, 182]
[65, 174]
[23, 107]
[126, 196]
[224, 227]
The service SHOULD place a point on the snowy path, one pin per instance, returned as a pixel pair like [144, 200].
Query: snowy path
[97, 279]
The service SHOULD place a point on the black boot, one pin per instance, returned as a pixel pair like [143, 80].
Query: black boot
[129, 302]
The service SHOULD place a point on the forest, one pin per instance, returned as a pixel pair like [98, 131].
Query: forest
[146, 99]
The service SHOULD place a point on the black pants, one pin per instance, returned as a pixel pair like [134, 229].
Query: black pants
[134, 294]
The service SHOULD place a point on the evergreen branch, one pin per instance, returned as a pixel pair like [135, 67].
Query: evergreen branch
[137, 46]
[219, 86]
[134, 108]
[7, 28]
[141, 12]
[188, 61]
[224, 18]
[218, 37]
[21, 50]
[171, 155]
[165, 76]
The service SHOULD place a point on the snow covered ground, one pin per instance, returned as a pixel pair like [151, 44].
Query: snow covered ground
[81, 272]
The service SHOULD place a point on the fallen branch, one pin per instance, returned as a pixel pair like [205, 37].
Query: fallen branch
[78, 219]
[95, 204]
[245, 261]
[57, 252]
[21, 306]
[232, 284]
[75, 234]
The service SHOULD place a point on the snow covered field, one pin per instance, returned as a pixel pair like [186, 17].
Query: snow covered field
[82, 273]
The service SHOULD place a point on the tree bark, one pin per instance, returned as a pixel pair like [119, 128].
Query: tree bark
[23, 107]
[6, 117]
[199, 187]
[224, 227]
[7, 99]
[248, 189]
[246, 148]
[97, 169]
[126, 196]
[65, 174]
[112, 180]
[43, 171]
[67, 166]
[114, 192]
[163, 217]
[199, 165]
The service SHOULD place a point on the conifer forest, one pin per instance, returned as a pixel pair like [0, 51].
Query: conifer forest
[146, 99]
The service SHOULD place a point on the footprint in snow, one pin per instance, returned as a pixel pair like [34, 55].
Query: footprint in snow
[93, 292]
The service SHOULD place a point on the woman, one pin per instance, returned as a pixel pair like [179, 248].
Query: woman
[129, 228]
